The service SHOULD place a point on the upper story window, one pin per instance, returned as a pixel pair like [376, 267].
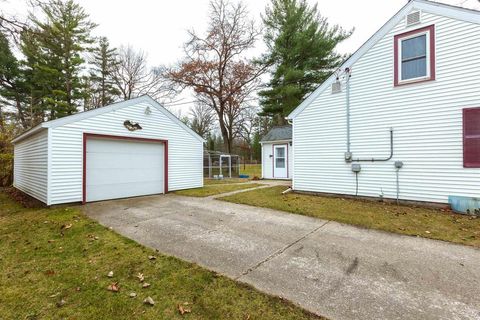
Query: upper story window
[414, 56]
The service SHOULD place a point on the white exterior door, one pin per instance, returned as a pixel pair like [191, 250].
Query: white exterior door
[280, 161]
[123, 168]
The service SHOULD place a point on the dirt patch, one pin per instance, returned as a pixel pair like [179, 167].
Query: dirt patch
[24, 199]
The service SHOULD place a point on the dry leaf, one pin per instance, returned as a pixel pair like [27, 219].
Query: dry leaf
[146, 285]
[132, 295]
[140, 277]
[428, 232]
[152, 257]
[61, 303]
[149, 301]
[114, 287]
[183, 310]
[110, 274]
[66, 226]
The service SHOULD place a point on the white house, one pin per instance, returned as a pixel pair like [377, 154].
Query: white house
[126, 149]
[402, 115]
[277, 153]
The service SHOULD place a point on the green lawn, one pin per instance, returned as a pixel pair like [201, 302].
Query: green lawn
[224, 181]
[253, 170]
[55, 272]
[428, 223]
[210, 190]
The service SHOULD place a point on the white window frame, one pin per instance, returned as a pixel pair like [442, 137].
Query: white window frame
[428, 57]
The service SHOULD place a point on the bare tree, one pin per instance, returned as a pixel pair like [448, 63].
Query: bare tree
[215, 66]
[11, 25]
[202, 119]
[133, 77]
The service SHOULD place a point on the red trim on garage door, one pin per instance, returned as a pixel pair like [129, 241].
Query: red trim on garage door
[106, 136]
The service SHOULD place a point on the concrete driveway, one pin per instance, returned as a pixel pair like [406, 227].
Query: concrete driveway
[334, 270]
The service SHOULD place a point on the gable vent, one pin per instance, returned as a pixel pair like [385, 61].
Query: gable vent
[336, 87]
[413, 18]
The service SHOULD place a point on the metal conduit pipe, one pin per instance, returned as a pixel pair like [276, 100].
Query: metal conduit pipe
[347, 93]
[348, 154]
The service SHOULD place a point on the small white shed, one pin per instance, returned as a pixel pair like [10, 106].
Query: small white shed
[126, 149]
[277, 153]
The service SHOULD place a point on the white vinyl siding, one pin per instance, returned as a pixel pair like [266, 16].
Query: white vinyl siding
[185, 152]
[426, 119]
[31, 166]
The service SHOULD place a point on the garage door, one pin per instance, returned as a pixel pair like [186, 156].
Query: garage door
[123, 168]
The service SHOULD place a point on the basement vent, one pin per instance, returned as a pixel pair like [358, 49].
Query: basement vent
[336, 87]
[413, 18]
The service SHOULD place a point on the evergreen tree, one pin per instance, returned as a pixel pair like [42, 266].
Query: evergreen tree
[14, 87]
[104, 62]
[53, 51]
[301, 53]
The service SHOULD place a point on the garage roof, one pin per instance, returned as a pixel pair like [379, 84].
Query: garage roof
[95, 112]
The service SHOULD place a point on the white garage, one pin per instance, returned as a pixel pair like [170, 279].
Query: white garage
[127, 149]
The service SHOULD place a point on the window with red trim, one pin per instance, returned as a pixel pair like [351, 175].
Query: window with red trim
[414, 56]
[471, 138]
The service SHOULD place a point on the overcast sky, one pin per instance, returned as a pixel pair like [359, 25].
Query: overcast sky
[159, 26]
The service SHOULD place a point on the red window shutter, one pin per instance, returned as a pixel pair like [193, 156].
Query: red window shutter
[471, 138]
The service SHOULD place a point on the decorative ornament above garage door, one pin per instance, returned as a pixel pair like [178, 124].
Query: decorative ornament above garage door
[132, 126]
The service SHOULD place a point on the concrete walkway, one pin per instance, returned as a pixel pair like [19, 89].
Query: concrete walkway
[334, 270]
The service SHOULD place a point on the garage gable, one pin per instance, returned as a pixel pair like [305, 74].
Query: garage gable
[121, 105]
[113, 107]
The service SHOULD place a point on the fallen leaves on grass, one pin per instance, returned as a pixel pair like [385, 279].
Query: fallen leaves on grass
[149, 301]
[61, 303]
[141, 277]
[145, 285]
[66, 226]
[110, 274]
[114, 287]
[50, 272]
[182, 310]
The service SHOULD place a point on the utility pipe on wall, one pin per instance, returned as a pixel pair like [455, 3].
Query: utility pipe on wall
[348, 75]
[348, 154]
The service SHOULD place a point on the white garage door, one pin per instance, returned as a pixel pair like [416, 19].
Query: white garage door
[123, 168]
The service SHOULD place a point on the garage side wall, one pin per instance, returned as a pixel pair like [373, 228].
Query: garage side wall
[185, 152]
[31, 166]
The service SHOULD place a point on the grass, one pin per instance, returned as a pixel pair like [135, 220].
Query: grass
[224, 181]
[252, 170]
[409, 220]
[54, 273]
[210, 190]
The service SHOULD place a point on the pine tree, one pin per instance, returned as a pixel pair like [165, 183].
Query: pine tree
[104, 61]
[54, 50]
[301, 51]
